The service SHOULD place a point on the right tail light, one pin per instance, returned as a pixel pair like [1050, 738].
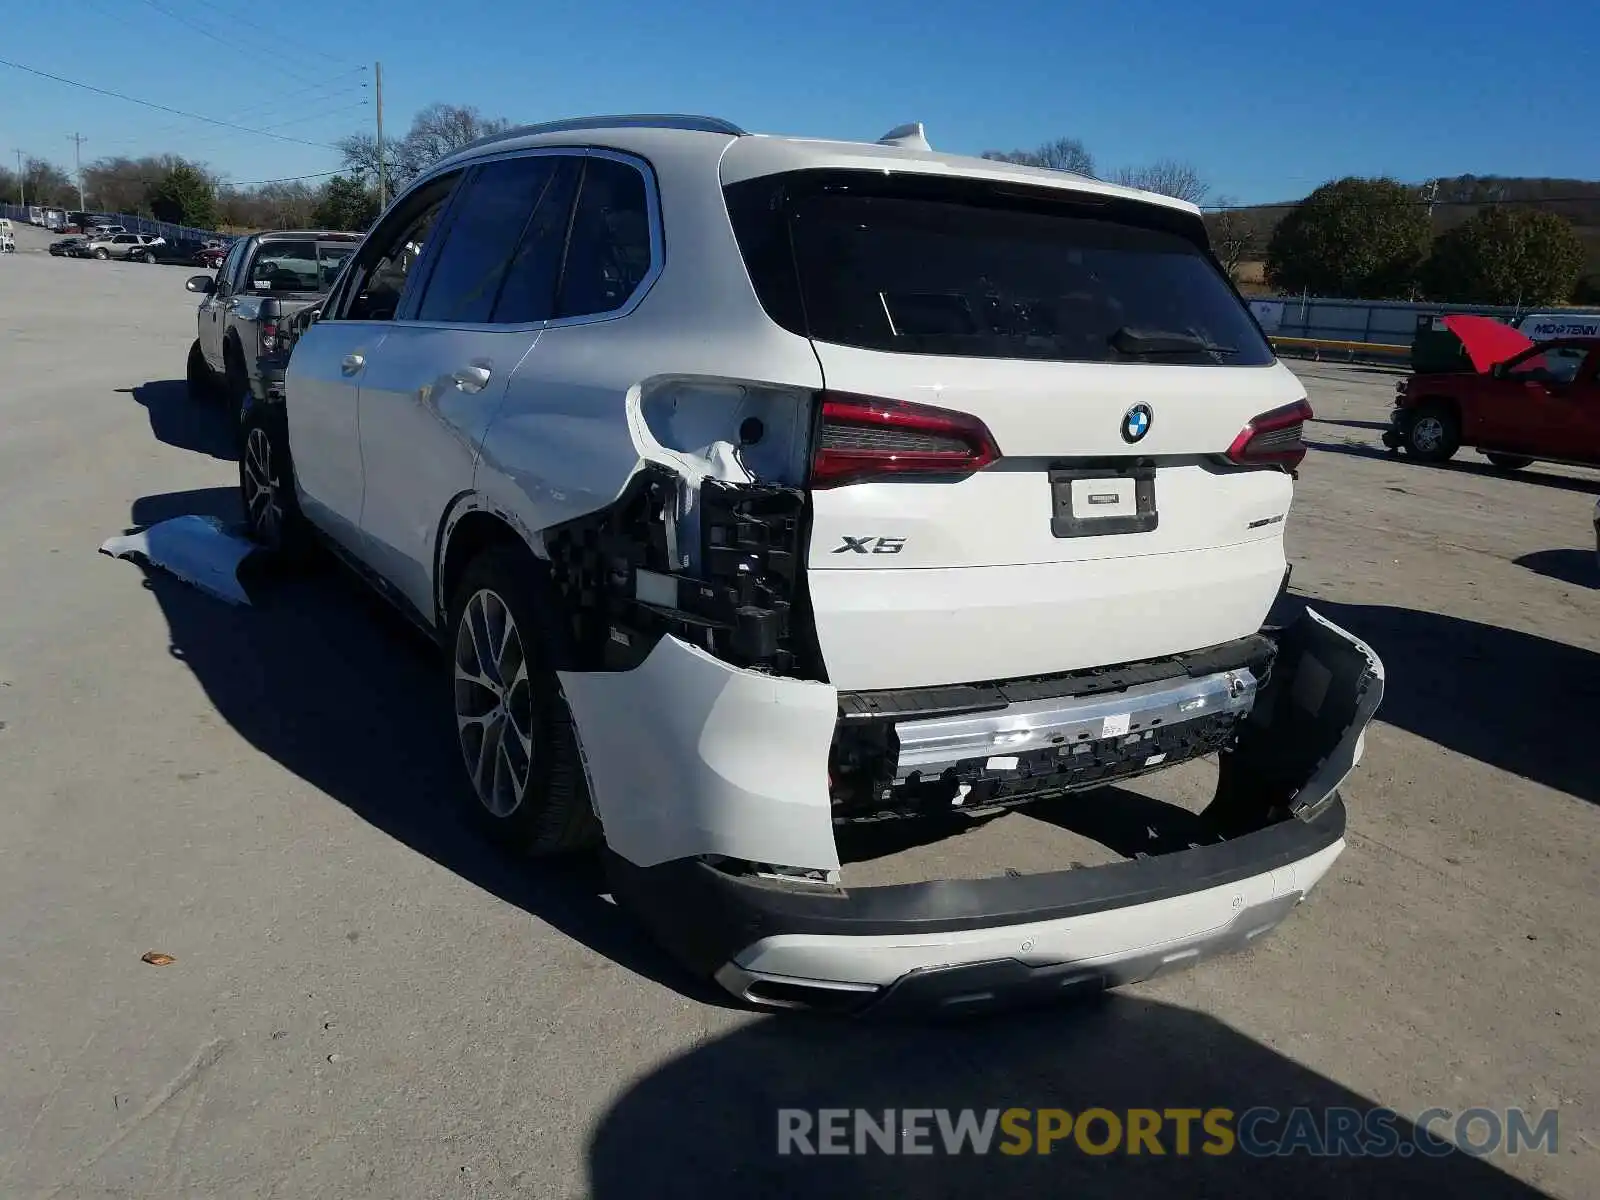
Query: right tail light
[864, 437]
[1274, 439]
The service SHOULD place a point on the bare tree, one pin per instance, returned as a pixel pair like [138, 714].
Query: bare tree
[1063, 154]
[1167, 177]
[48, 184]
[1233, 233]
[436, 131]
[123, 185]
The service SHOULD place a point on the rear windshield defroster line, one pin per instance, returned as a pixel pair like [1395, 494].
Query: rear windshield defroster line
[962, 267]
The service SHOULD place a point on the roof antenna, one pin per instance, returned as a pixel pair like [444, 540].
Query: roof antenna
[911, 137]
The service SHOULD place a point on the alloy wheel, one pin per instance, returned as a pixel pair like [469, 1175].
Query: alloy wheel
[1427, 434]
[262, 500]
[494, 703]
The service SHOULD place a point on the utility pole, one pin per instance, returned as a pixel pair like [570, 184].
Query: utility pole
[383, 179]
[1433, 195]
[22, 181]
[77, 141]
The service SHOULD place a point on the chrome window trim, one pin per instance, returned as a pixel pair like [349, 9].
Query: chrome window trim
[653, 213]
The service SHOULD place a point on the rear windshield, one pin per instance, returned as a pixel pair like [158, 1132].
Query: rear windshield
[296, 266]
[967, 268]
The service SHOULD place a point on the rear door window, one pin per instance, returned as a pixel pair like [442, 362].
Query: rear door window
[486, 228]
[529, 291]
[968, 268]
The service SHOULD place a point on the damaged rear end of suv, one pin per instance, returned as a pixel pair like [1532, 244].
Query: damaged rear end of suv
[766, 492]
[1000, 522]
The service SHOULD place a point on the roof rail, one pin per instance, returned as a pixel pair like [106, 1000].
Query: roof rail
[631, 121]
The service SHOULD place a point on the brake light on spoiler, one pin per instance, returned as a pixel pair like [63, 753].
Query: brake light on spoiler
[1274, 439]
[864, 437]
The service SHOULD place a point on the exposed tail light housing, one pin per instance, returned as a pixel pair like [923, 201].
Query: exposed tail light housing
[1274, 439]
[865, 437]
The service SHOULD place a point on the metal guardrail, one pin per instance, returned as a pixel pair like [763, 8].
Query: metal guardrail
[1318, 345]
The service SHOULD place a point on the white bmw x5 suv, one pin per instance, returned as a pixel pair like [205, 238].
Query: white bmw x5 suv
[759, 486]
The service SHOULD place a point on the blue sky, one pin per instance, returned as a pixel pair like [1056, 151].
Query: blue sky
[1268, 100]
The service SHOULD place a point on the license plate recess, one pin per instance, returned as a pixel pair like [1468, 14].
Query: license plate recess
[1097, 501]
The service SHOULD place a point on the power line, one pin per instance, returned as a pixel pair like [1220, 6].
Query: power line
[283, 179]
[318, 116]
[302, 96]
[177, 112]
[207, 33]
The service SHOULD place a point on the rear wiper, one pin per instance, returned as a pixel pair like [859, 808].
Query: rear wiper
[1163, 341]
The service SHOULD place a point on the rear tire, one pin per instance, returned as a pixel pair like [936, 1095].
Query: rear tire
[267, 489]
[201, 379]
[149, 257]
[1433, 434]
[1508, 462]
[102, 254]
[525, 777]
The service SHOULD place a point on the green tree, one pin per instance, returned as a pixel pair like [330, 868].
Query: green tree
[1358, 238]
[185, 196]
[345, 204]
[1506, 256]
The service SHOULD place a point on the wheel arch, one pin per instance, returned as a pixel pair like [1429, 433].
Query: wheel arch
[1451, 404]
[471, 524]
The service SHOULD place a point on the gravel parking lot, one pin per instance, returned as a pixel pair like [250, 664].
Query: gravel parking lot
[367, 1002]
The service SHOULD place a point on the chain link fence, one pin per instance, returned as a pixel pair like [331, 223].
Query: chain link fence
[133, 224]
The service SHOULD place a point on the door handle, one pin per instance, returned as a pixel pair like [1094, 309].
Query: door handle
[352, 363]
[472, 379]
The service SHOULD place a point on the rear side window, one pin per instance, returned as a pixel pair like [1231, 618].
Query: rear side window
[529, 291]
[966, 268]
[486, 225]
[608, 253]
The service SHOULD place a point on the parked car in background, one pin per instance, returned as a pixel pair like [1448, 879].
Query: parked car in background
[762, 488]
[180, 252]
[209, 257]
[1521, 402]
[109, 245]
[67, 247]
[264, 279]
[141, 249]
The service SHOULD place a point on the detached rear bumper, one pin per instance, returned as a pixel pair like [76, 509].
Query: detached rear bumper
[964, 944]
[712, 786]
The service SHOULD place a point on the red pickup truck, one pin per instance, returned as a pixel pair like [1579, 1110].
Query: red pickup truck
[1523, 401]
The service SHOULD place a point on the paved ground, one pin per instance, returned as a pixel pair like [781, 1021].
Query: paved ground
[367, 1004]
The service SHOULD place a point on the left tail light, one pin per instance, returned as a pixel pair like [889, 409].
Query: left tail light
[269, 337]
[1274, 439]
[865, 437]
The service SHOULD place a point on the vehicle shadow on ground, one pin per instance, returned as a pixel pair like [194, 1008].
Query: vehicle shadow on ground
[1578, 567]
[179, 420]
[707, 1122]
[1544, 476]
[329, 681]
[1380, 425]
[1497, 695]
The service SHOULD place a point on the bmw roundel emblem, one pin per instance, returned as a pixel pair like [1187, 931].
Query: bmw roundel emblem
[1136, 422]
